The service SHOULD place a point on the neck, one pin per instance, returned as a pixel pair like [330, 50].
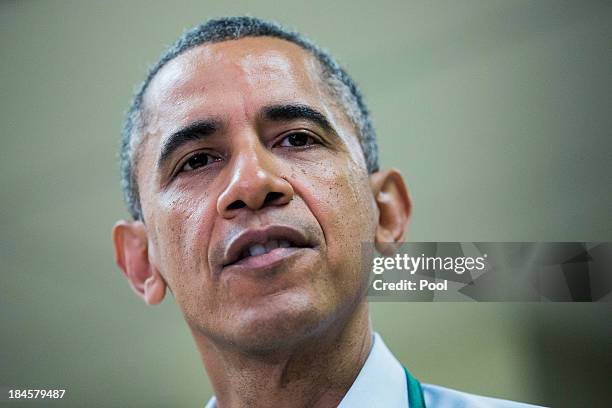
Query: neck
[315, 373]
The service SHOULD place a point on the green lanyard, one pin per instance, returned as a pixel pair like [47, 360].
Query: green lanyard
[415, 391]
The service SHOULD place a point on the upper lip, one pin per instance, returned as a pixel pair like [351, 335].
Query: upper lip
[253, 236]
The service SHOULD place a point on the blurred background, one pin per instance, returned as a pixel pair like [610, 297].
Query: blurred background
[498, 113]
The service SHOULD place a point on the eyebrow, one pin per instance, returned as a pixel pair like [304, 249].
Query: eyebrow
[202, 129]
[287, 112]
[192, 132]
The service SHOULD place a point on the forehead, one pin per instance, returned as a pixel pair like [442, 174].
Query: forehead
[246, 71]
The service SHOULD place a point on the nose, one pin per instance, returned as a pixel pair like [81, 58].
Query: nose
[254, 183]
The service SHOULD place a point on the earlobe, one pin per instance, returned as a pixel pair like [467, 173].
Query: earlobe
[394, 206]
[131, 255]
[154, 288]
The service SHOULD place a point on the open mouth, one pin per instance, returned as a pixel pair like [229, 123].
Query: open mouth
[261, 249]
[264, 246]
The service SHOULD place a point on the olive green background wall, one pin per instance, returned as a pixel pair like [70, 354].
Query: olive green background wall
[498, 113]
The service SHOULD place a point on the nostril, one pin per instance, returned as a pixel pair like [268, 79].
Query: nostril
[236, 205]
[272, 196]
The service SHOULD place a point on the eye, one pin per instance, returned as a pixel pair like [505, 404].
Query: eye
[297, 139]
[198, 160]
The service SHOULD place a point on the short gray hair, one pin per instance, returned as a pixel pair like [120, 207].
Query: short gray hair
[338, 82]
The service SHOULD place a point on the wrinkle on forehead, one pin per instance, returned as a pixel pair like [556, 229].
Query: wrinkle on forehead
[248, 60]
[243, 67]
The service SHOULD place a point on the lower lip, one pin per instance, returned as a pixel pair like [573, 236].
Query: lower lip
[263, 262]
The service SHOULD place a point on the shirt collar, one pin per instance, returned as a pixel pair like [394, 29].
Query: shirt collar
[380, 383]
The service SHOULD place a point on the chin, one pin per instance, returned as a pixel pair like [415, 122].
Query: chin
[278, 322]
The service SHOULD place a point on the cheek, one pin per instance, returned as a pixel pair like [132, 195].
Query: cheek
[340, 198]
[182, 227]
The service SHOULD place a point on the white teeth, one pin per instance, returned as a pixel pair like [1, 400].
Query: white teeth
[260, 249]
[257, 249]
[270, 245]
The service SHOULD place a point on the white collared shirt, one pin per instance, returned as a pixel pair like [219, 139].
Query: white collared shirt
[381, 383]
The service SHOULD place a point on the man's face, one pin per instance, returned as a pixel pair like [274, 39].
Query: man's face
[254, 192]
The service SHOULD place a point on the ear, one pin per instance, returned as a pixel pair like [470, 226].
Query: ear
[131, 255]
[394, 207]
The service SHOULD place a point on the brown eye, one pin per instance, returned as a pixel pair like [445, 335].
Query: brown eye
[198, 160]
[297, 139]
